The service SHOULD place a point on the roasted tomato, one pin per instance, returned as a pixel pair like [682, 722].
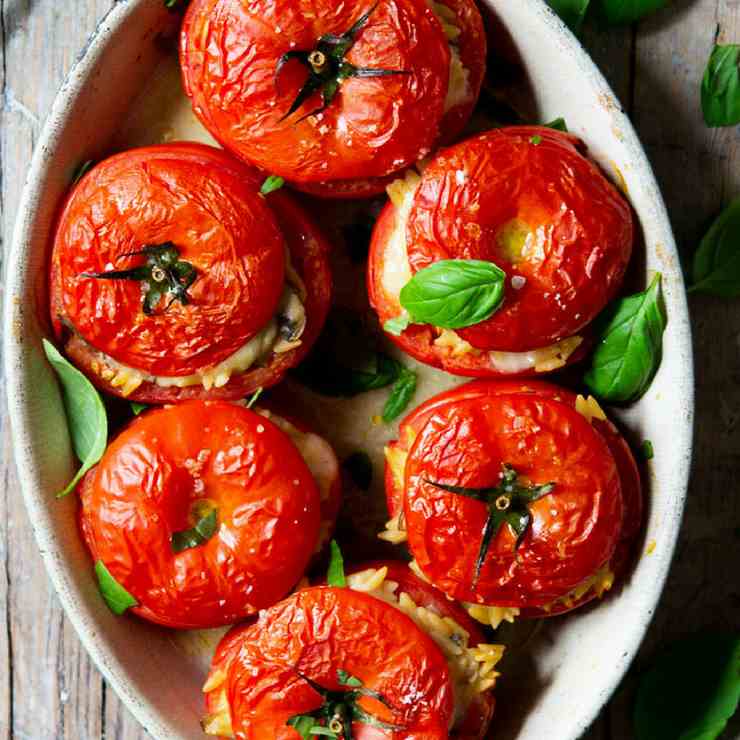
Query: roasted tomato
[569, 540]
[173, 278]
[335, 650]
[528, 200]
[168, 471]
[333, 96]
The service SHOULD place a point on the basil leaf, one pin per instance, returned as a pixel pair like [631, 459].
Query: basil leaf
[572, 12]
[691, 691]
[558, 124]
[453, 294]
[720, 88]
[137, 408]
[536, 140]
[624, 12]
[360, 468]
[646, 448]
[397, 325]
[401, 394]
[86, 417]
[116, 597]
[630, 348]
[271, 184]
[204, 529]
[254, 397]
[716, 268]
[335, 575]
[81, 170]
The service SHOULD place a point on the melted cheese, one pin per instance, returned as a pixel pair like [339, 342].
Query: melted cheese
[458, 88]
[589, 408]
[600, 582]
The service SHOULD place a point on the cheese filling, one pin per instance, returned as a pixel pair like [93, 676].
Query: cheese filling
[458, 88]
[396, 273]
[282, 334]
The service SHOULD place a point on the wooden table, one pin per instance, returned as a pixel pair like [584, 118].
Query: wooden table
[49, 690]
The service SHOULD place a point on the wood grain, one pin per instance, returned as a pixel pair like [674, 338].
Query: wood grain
[49, 690]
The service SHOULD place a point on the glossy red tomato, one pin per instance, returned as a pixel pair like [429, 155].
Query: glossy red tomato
[316, 633]
[207, 204]
[590, 518]
[372, 127]
[527, 199]
[159, 477]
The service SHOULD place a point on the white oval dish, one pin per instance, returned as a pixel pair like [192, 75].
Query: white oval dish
[561, 684]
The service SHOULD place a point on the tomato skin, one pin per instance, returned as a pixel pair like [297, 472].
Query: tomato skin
[143, 489]
[613, 531]
[418, 339]
[319, 631]
[309, 254]
[170, 193]
[373, 127]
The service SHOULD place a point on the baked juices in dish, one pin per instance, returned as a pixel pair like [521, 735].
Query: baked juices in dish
[333, 96]
[206, 512]
[173, 278]
[420, 665]
[514, 497]
[496, 258]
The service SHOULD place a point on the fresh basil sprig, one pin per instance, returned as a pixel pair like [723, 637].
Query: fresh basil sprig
[203, 530]
[401, 394]
[335, 574]
[115, 595]
[559, 124]
[572, 12]
[716, 268]
[720, 87]
[451, 294]
[691, 691]
[630, 346]
[86, 417]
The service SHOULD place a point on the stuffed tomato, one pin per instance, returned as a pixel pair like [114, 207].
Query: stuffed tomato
[514, 497]
[333, 96]
[496, 258]
[437, 651]
[173, 278]
[206, 512]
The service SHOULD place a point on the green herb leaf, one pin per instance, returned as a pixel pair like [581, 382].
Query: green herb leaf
[401, 394]
[397, 325]
[720, 88]
[453, 294]
[204, 529]
[716, 268]
[630, 347]
[624, 12]
[86, 417]
[174, 4]
[271, 184]
[536, 140]
[647, 451]
[335, 575]
[81, 170]
[255, 397]
[360, 468]
[137, 408]
[572, 12]
[558, 124]
[116, 597]
[691, 691]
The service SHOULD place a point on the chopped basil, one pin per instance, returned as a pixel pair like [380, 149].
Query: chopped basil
[716, 268]
[691, 691]
[720, 88]
[360, 468]
[630, 346]
[453, 294]
[558, 124]
[86, 416]
[81, 170]
[536, 140]
[271, 184]
[648, 453]
[335, 575]
[625, 12]
[116, 596]
[401, 394]
[254, 397]
[203, 530]
[137, 408]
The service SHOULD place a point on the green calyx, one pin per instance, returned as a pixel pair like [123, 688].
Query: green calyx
[162, 274]
[507, 503]
[327, 68]
[339, 710]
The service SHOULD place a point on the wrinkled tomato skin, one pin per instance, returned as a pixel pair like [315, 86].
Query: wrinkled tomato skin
[608, 526]
[374, 126]
[318, 631]
[527, 199]
[197, 199]
[142, 492]
[309, 255]
[418, 339]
